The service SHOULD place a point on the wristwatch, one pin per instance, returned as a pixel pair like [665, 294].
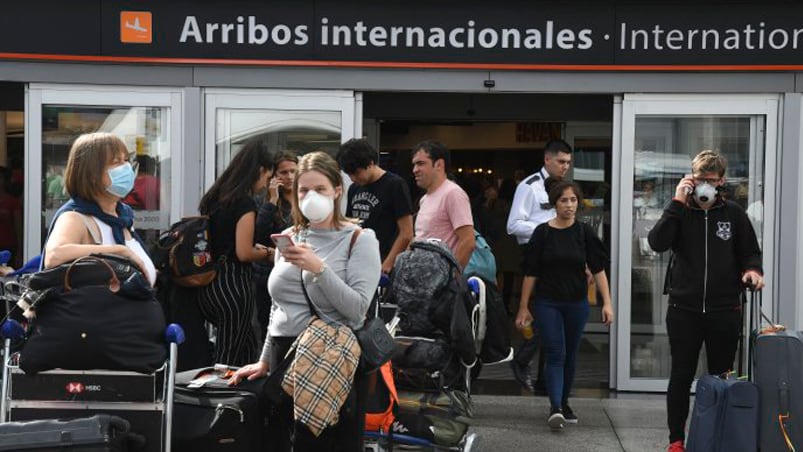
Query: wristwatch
[317, 274]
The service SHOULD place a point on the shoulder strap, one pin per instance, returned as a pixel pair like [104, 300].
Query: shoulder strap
[90, 226]
[306, 296]
[354, 236]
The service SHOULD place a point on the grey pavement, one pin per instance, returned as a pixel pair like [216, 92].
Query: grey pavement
[632, 423]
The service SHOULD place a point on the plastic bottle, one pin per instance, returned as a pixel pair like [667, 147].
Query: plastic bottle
[527, 331]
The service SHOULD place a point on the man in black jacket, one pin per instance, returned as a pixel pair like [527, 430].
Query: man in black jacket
[715, 253]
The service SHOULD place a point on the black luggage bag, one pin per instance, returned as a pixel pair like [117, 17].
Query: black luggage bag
[778, 365]
[98, 433]
[91, 327]
[211, 416]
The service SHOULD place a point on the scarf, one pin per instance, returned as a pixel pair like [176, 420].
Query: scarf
[124, 219]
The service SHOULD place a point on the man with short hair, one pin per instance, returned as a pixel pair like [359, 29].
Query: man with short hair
[445, 210]
[529, 209]
[379, 199]
[715, 254]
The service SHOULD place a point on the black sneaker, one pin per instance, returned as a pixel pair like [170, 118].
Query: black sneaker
[556, 419]
[569, 415]
[539, 387]
[522, 375]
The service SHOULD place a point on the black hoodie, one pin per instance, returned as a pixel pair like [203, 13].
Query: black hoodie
[712, 250]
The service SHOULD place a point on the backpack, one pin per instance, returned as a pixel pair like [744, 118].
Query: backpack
[496, 343]
[432, 297]
[382, 400]
[184, 253]
[482, 262]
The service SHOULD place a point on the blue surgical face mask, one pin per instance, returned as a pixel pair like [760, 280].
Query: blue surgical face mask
[122, 177]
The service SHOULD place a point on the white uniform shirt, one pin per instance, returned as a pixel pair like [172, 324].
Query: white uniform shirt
[530, 207]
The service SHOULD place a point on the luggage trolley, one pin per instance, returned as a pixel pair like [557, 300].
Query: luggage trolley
[145, 400]
[381, 441]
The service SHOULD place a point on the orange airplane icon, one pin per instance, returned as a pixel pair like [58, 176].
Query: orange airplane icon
[135, 27]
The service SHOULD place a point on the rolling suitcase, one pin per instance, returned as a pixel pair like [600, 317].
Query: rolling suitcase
[725, 417]
[778, 371]
[726, 409]
[100, 433]
[212, 416]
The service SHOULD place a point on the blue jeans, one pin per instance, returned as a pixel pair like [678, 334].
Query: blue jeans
[561, 325]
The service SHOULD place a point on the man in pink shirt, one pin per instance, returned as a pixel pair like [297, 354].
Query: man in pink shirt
[445, 210]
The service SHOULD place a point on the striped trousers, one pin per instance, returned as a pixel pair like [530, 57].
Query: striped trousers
[228, 304]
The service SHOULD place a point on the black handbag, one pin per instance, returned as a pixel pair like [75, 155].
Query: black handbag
[376, 344]
[117, 273]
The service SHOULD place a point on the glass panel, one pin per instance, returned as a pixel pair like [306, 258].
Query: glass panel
[664, 148]
[144, 131]
[592, 170]
[297, 130]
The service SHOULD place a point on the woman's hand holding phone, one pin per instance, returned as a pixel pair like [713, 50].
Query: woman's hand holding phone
[282, 241]
[299, 255]
[274, 188]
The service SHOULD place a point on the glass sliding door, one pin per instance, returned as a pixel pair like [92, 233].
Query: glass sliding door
[660, 136]
[147, 120]
[301, 121]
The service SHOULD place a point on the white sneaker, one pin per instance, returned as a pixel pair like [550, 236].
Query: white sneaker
[556, 421]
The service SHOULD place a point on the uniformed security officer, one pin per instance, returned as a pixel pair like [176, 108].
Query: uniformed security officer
[530, 208]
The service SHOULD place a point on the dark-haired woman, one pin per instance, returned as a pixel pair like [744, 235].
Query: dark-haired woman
[228, 302]
[555, 262]
[274, 216]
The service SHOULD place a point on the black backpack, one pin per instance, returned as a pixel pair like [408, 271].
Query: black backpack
[184, 253]
[432, 296]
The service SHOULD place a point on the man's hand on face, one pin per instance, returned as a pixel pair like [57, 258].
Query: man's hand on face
[685, 188]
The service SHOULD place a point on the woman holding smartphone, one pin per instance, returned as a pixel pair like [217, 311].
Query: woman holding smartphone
[228, 301]
[339, 267]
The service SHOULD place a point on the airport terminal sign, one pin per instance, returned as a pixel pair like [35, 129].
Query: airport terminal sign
[512, 34]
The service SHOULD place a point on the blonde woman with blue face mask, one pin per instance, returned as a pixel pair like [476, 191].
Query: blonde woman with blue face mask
[340, 279]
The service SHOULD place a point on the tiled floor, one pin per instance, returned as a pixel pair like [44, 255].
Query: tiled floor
[632, 424]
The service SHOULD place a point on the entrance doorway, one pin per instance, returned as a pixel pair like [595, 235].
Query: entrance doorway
[12, 171]
[497, 140]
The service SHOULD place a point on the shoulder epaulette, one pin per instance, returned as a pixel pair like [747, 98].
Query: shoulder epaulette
[535, 178]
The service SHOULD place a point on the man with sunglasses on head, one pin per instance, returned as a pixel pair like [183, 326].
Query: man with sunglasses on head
[715, 253]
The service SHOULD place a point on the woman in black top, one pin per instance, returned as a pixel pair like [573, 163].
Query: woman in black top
[274, 216]
[228, 302]
[558, 254]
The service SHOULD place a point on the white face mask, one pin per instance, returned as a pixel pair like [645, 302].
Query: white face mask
[316, 207]
[704, 193]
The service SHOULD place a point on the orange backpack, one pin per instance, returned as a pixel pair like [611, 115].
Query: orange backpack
[382, 400]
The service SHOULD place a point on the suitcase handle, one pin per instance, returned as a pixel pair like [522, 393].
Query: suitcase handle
[782, 418]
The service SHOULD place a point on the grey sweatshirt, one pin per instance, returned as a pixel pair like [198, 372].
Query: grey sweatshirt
[342, 293]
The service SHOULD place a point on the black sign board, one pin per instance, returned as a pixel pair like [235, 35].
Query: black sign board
[574, 35]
